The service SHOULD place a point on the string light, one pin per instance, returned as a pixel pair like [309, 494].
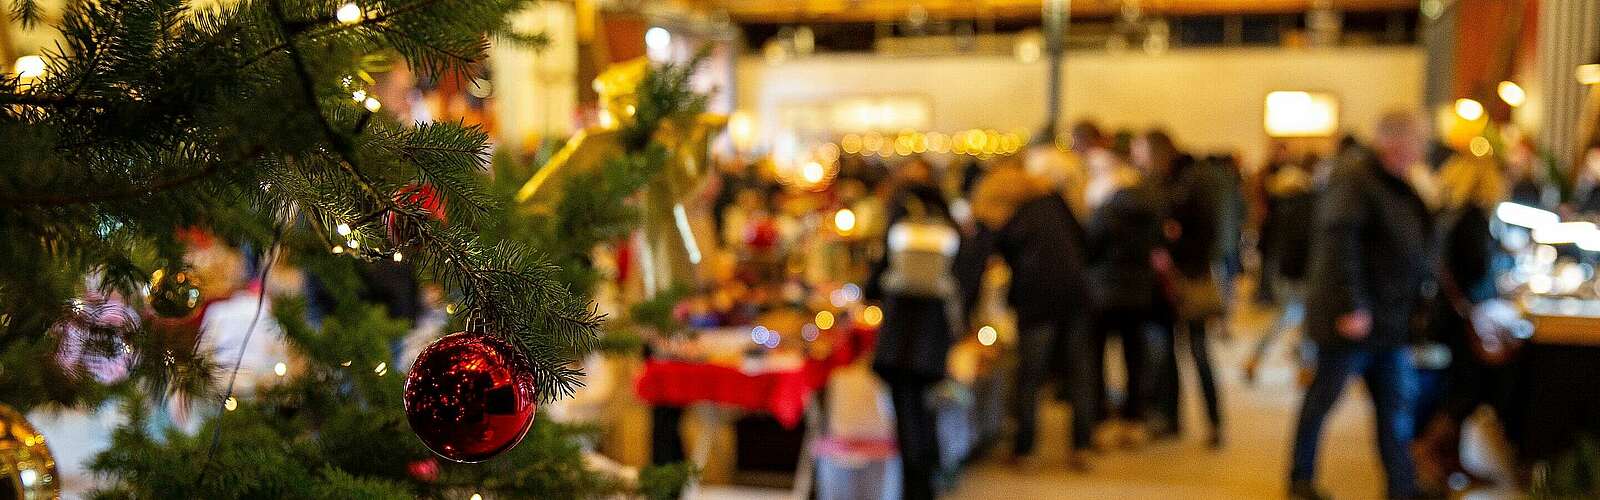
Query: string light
[476, 496]
[230, 404]
[337, 249]
[398, 257]
[382, 369]
[353, 244]
[343, 229]
[359, 96]
[29, 67]
[280, 369]
[349, 13]
[372, 104]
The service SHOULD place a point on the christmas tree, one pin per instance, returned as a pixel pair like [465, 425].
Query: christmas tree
[252, 121]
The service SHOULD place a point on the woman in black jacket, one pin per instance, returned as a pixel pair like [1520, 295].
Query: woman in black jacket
[915, 338]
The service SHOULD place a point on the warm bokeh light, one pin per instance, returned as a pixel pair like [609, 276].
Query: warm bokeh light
[1469, 109]
[742, 130]
[1293, 113]
[349, 13]
[1480, 147]
[812, 172]
[29, 67]
[280, 369]
[844, 220]
[824, 320]
[1512, 93]
[872, 316]
[1589, 74]
[987, 335]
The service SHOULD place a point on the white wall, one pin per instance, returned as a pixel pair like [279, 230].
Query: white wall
[1208, 99]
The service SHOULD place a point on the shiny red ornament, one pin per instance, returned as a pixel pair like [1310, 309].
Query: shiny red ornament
[403, 229]
[468, 397]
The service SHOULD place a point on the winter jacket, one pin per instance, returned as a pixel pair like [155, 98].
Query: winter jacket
[1124, 232]
[1373, 251]
[1044, 246]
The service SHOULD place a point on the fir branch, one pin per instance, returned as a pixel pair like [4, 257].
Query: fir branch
[52, 200]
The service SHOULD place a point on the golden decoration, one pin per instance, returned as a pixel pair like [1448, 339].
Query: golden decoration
[27, 469]
[670, 246]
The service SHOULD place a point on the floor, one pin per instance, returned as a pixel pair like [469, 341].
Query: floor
[1253, 464]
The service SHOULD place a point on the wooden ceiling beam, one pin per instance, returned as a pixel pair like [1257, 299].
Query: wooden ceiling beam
[840, 11]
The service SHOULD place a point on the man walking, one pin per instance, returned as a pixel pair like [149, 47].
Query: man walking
[1370, 268]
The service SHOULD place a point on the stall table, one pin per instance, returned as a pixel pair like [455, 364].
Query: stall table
[1560, 382]
[779, 382]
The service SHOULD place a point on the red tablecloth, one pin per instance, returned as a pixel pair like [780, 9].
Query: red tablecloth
[780, 393]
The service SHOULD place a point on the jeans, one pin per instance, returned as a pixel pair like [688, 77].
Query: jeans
[1199, 349]
[1391, 381]
[1034, 354]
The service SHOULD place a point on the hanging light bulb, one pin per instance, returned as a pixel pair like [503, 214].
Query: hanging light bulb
[1512, 93]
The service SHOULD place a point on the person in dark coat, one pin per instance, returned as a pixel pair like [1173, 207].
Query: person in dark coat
[1190, 189]
[1042, 242]
[1294, 192]
[1370, 270]
[913, 342]
[1125, 243]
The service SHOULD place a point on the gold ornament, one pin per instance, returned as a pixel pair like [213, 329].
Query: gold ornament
[27, 470]
[669, 245]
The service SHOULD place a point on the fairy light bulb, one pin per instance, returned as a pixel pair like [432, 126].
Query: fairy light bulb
[230, 404]
[29, 67]
[337, 249]
[359, 96]
[349, 13]
[398, 257]
[353, 244]
[987, 335]
[372, 104]
[280, 369]
[343, 229]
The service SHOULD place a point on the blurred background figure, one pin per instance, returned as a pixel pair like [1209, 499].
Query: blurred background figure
[1292, 193]
[1369, 267]
[1472, 187]
[1191, 190]
[1126, 245]
[915, 283]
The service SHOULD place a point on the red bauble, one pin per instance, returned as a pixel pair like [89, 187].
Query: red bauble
[468, 397]
[402, 229]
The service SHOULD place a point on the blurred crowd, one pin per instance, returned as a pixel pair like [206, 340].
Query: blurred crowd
[1380, 251]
